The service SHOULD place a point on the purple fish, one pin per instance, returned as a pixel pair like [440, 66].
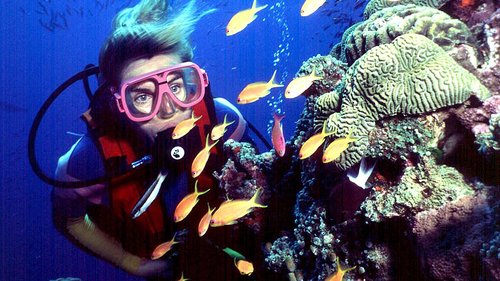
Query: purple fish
[277, 137]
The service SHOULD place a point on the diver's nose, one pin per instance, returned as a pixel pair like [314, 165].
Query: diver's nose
[167, 107]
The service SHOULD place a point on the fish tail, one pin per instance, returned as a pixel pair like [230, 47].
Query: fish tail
[272, 83]
[173, 239]
[277, 117]
[212, 145]
[196, 118]
[253, 200]
[254, 6]
[210, 210]
[196, 189]
[323, 131]
[314, 74]
[227, 124]
[350, 137]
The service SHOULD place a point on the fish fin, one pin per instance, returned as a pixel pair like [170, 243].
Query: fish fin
[253, 200]
[272, 83]
[212, 145]
[225, 122]
[196, 189]
[210, 210]
[314, 74]
[350, 137]
[363, 174]
[324, 133]
[277, 117]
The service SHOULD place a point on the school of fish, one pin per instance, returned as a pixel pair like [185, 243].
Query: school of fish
[230, 211]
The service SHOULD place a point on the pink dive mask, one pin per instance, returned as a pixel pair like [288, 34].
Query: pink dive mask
[182, 85]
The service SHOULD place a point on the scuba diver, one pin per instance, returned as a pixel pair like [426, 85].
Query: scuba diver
[147, 86]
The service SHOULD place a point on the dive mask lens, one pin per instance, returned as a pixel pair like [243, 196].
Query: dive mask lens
[142, 97]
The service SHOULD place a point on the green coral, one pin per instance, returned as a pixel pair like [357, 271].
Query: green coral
[398, 139]
[383, 26]
[489, 142]
[410, 76]
[377, 5]
[422, 187]
[330, 69]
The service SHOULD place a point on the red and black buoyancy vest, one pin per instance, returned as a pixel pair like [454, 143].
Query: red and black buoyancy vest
[141, 235]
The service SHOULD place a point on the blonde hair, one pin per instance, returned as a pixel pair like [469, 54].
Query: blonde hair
[145, 30]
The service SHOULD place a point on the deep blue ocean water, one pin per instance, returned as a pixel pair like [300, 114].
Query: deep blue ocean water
[45, 42]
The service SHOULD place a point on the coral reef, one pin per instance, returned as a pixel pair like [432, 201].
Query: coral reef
[388, 80]
[376, 5]
[329, 68]
[450, 237]
[428, 115]
[385, 25]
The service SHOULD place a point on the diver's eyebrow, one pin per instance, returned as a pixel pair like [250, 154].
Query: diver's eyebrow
[141, 88]
[177, 76]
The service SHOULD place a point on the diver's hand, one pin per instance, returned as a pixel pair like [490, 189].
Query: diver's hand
[155, 268]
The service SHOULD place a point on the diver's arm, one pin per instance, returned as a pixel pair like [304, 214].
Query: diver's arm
[85, 234]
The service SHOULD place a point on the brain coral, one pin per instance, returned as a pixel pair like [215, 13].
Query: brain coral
[410, 76]
[383, 26]
[376, 5]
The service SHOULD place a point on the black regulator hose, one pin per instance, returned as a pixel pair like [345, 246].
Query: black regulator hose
[82, 75]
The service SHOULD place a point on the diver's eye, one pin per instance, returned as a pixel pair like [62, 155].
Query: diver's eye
[175, 89]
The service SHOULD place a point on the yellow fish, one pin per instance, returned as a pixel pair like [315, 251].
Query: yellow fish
[187, 204]
[300, 84]
[182, 277]
[337, 276]
[201, 159]
[312, 144]
[245, 267]
[338, 146]
[205, 221]
[185, 126]
[163, 248]
[256, 90]
[231, 210]
[310, 6]
[219, 130]
[243, 18]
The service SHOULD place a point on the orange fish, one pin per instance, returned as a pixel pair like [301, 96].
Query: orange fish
[201, 159]
[243, 18]
[185, 126]
[466, 3]
[310, 6]
[163, 248]
[231, 210]
[219, 130]
[187, 203]
[338, 146]
[205, 221]
[337, 276]
[245, 267]
[256, 90]
[312, 144]
[300, 84]
[277, 137]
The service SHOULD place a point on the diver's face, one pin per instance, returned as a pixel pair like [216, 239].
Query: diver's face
[164, 119]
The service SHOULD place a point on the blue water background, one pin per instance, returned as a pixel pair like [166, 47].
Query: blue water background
[40, 50]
